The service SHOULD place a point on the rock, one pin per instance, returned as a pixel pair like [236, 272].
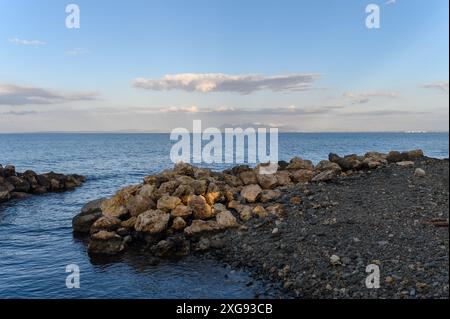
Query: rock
[342, 162]
[181, 211]
[4, 195]
[335, 260]
[184, 169]
[355, 161]
[226, 219]
[168, 203]
[20, 184]
[251, 193]
[108, 243]
[295, 200]
[116, 205]
[302, 175]
[277, 210]
[284, 178]
[248, 177]
[179, 224]
[217, 208]
[232, 180]
[389, 280]
[419, 172]
[260, 211]
[395, 157]
[267, 181]
[245, 213]
[405, 164]
[324, 166]
[90, 212]
[9, 171]
[199, 227]
[297, 163]
[415, 154]
[106, 223]
[200, 207]
[138, 204]
[147, 191]
[269, 195]
[129, 223]
[213, 194]
[324, 176]
[152, 222]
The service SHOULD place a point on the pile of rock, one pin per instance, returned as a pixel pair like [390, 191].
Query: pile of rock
[19, 185]
[175, 211]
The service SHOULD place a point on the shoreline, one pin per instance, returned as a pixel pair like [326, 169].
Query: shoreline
[192, 210]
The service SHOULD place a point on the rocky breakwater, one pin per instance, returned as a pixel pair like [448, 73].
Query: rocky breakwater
[20, 185]
[179, 211]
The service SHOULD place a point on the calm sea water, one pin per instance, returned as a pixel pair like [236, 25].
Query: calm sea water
[36, 241]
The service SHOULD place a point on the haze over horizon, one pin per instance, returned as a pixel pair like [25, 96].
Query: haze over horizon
[307, 66]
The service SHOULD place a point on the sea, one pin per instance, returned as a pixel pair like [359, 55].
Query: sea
[36, 240]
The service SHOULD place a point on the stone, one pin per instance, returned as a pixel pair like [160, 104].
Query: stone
[179, 224]
[260, 211]
[269, 195]
[106, 223]
[199, 227]
[284, 178]
[419, 172]
[200, 207]
[415, 154]
[295, 200]
[246, 213]
[108, 243]
[9, 170]
[328, 166]
[267, 181]
[324, 176]
[251, 193]
[167, 203]
[277, 210]
[248, 177]
[181, 211]
[213, 194]
[298, 163]
[116, 205]
[90, 212]
[335, 260]
[152, 222]
[147, 191]
[129, 223]
[405, 164]
[226, 219]
[138, 204]
[232, 180]
[395, 157]
[302, 175]
[342, 162]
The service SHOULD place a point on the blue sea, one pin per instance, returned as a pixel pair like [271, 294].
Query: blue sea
[36, 241]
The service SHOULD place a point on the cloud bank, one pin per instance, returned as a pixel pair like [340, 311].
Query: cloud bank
[26, 42]
[218, 82]
[14, 95]
[442, 86]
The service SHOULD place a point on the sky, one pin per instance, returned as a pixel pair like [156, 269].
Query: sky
[155, 65]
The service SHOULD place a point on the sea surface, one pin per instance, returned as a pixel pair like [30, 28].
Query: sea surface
[36, 241]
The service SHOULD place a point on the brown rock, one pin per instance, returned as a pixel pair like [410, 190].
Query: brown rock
[179, 224]
[200, 207]
[269, 195]
[260, 211]
[297, 163]
[248, 177]
[267, 181]
[302, 175]
[226, 219]
[152, 222]
[277, 210]
[181, 211]
[199, 227]
[295, 200]
[324, 176]
[284, 178]
[251, 193]
[167, 203]
[106, 223]
[138, 204]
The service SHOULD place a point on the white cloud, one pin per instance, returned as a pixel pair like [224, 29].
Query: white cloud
[77, 51]
[442, 86]
[26, 42]
[13, 95]
[218, 82]
[365, 97]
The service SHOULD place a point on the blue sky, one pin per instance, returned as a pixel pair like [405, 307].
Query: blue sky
[392, 78]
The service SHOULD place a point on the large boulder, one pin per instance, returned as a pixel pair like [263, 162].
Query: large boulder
[226, 219]
[200, 207]
[299, 163]
[20, 184]
[199, 227]
[302, 175]
[251, 193]
[107, 243]
[342, 162]
[328, 166]
[90, 212]
[152, 222]
[167, 203]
